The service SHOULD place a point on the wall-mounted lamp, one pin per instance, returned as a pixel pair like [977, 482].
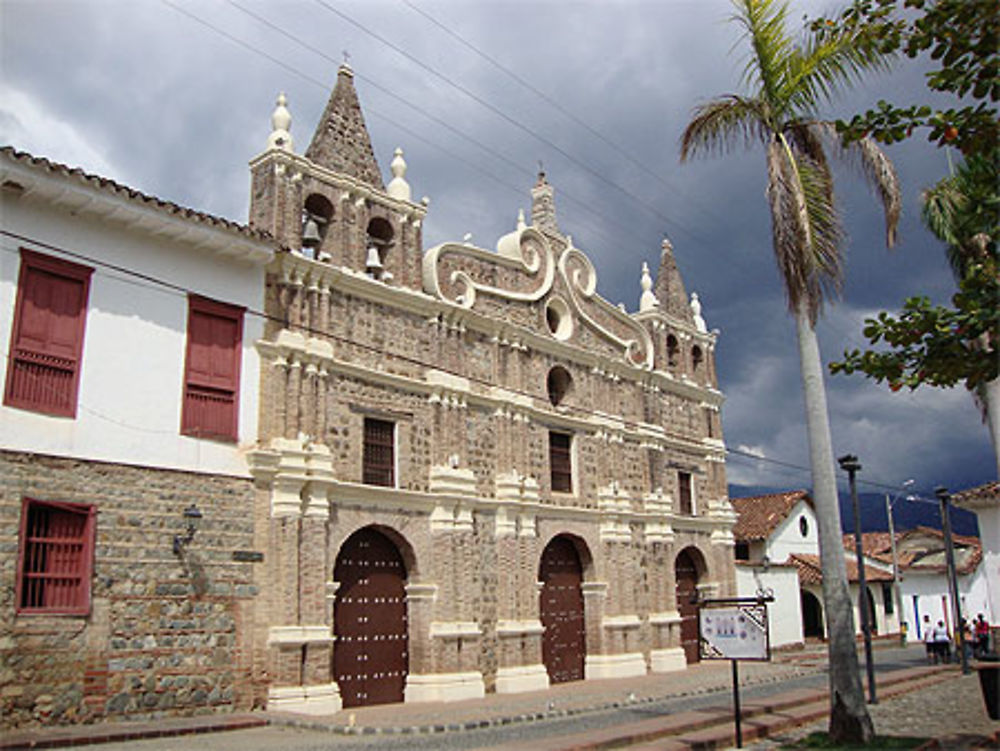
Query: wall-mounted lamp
[192, 516]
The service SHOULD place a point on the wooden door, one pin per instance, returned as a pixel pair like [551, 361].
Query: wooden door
[370, 659]
[564, 639]
[686, 576]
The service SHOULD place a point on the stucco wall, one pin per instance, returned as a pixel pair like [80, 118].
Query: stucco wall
[131, 377]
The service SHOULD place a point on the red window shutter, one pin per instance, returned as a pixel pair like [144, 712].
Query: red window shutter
[212, 371]
[47, 339]
[56, 560]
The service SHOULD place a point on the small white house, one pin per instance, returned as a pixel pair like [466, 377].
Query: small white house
[923, 576]
[985, 502]
[777, 552]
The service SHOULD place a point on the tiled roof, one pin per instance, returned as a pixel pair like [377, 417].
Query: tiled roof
[113, 188]
[810, 571]
[988, 494]
[759, 515]
[920, 549]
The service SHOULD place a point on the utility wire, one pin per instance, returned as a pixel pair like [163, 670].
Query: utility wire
[558, 107]
[183, 291]
[507, 118]
[589, 211]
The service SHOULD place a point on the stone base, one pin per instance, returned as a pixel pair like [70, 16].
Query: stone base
[614, 666]
[444, 687]
[315, 700]
[667, 660]
[522, 678]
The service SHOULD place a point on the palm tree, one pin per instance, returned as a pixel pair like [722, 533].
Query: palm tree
[789, 82]
[963, 212]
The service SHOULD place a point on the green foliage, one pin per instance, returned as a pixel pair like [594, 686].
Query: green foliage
[935, 345]
[962, 37]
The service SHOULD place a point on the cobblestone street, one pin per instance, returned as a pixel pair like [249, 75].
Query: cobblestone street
[952, 710]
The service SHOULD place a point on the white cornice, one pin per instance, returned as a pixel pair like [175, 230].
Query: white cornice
[77, 193]
[352, 185]
[292, 346]
[294, 266]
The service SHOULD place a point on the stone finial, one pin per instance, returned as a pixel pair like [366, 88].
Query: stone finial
[281, 123]
[647, 301]
[521, 224]
[699, 322]
[398, 187]
[543, 208]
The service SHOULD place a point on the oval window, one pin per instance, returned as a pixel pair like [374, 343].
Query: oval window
[804, 526]
[558, 318]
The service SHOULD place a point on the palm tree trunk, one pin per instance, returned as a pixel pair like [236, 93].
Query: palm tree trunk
[849, 719]
[991, 408]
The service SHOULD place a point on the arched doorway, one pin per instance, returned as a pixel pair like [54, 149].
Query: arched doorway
[686, 578]
[564, 644]
[370, 653]
[872, 620]
[812, 615]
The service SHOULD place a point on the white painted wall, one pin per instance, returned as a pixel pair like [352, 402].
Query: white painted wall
[130, 394]
[784, 617]
[787, 537]
[932, 597]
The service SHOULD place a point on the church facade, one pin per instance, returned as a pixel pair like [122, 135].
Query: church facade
[472, 474]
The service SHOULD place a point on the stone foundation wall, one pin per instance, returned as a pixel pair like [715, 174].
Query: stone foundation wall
[166, 634]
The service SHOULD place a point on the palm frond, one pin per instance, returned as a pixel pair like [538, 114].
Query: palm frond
[828, 61]
[764, 25]
[718, 125]
[807, 232]
[879, 172]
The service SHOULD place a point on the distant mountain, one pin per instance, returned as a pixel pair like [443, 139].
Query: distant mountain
[905, 514]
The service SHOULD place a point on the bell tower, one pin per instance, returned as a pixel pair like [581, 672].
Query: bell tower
[331, 204]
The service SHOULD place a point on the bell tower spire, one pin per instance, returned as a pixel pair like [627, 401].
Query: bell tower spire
[341, 142]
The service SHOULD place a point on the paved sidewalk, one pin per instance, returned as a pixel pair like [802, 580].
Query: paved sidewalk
[565, 701]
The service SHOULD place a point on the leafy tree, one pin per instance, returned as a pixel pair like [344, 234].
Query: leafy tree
[961, 38]
[788, 82]
[928, 344]
[937, 345]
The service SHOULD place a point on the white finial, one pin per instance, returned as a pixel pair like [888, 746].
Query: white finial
[281, 124]
[647, 301]
[398, 187]
[467, 238]
[699, 322]
[521, 224]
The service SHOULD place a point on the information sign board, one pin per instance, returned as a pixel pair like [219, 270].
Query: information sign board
[733, 631]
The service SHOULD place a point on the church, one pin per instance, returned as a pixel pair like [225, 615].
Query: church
[306, 463]
[474, 474]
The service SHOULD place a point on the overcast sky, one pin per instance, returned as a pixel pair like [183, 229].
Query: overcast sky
[147, 93]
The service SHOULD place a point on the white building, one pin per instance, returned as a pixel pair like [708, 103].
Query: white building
[985, 502]
[777, 551]
[130, 390]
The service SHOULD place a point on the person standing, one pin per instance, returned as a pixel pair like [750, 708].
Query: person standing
[942, 643]
[928, 634]
[982, 631]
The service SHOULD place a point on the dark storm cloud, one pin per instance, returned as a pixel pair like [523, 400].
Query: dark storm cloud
[148, 96]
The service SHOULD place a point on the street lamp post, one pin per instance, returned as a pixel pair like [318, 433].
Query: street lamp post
[849, 463]
[896, 596]
[949, 554]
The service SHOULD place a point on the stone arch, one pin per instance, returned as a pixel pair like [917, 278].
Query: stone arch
[317, 217]
[370, 619]
[403, 545]
[561, 572]
[812, 615]
[690, 571]
[559, 384]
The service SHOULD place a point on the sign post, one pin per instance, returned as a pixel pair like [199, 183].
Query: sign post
[734, 629]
